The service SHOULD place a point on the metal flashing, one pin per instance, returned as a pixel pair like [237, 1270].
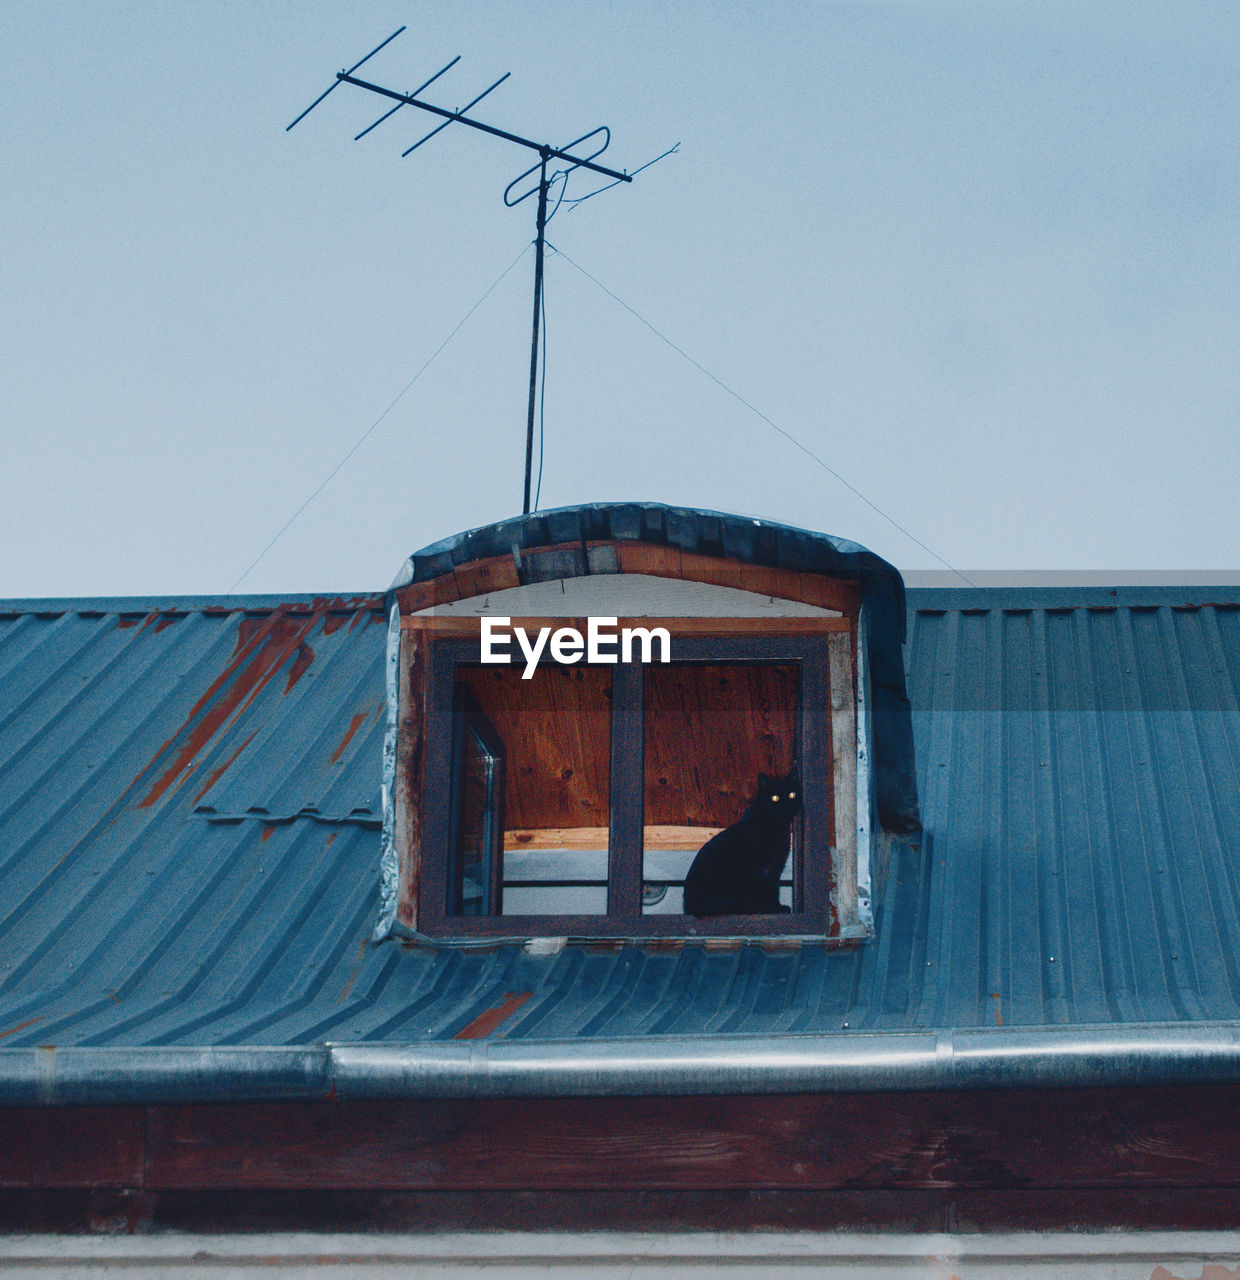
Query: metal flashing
[478, 1067]
[389, 868]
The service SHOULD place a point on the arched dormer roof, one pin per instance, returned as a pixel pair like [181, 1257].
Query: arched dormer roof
[580, 541]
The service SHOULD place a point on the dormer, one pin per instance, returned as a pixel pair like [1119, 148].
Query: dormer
[581, 698]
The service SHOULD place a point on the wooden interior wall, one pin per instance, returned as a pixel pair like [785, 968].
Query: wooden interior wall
[556, 730]
[710, 730]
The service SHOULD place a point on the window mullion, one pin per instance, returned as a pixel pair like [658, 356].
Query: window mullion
[624, 861]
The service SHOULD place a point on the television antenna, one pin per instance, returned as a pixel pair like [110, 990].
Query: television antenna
[599, 139]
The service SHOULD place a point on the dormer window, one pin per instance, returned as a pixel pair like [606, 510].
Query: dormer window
[573, 802]
[555, 796]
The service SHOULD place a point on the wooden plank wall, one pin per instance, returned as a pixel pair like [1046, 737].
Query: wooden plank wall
[1140, 1157]
[556, 728]
[710, 730]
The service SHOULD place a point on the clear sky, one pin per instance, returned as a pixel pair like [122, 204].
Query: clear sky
[980, 258]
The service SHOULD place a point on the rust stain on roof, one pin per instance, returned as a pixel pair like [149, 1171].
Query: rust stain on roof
[357, 612]
[264, 644]
[357, 968]
[126, 622]
[218, 772]
[305, 656]
[354, 725]
[485, 1023]
[256, 659]
[21, 1026]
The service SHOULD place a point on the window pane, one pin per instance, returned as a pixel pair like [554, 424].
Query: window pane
[479, 779]
[556, 735]
[710, 729]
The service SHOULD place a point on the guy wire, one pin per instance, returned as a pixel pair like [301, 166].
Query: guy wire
[758, 412]
[460, 324]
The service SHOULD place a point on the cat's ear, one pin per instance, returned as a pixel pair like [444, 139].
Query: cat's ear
[764, 782]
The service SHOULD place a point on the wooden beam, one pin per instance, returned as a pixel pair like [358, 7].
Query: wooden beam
[728, 932]
[497, 573]
[1021, 1159]
[408, 787]
[656, 837]
[429, 594]
[463, 626]
[995, 1140]
[71, 1146]
[481, 577]
[920, 1210]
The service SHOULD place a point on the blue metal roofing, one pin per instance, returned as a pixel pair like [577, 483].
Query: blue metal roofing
[189, 838]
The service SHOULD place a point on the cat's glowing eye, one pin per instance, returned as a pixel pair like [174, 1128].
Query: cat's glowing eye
[792, 795]
[774, 799]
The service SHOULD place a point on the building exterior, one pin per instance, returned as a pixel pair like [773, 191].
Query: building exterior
[221, 1000]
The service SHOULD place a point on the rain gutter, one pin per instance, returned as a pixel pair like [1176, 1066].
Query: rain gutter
[846, 1062]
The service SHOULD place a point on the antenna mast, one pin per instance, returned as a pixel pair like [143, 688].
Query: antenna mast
[598, 138]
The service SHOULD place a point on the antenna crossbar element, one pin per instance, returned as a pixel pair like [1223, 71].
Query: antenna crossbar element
[335, 83]
[552, 153]
[424, 85]
[455, 115]
[592, 144]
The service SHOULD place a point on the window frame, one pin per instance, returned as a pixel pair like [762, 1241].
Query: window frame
[814, 644]
[468, 719]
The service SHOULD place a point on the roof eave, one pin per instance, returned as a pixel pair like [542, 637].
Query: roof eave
[844, 1062]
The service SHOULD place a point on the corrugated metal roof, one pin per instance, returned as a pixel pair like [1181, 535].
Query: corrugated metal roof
[1080, 755]
[189, 838]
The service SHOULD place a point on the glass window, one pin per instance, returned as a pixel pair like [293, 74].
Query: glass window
[710, 729]
[573, 803]
[553, 732]
[475, 842]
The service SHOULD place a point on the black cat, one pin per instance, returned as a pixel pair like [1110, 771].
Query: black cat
[737, 872]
